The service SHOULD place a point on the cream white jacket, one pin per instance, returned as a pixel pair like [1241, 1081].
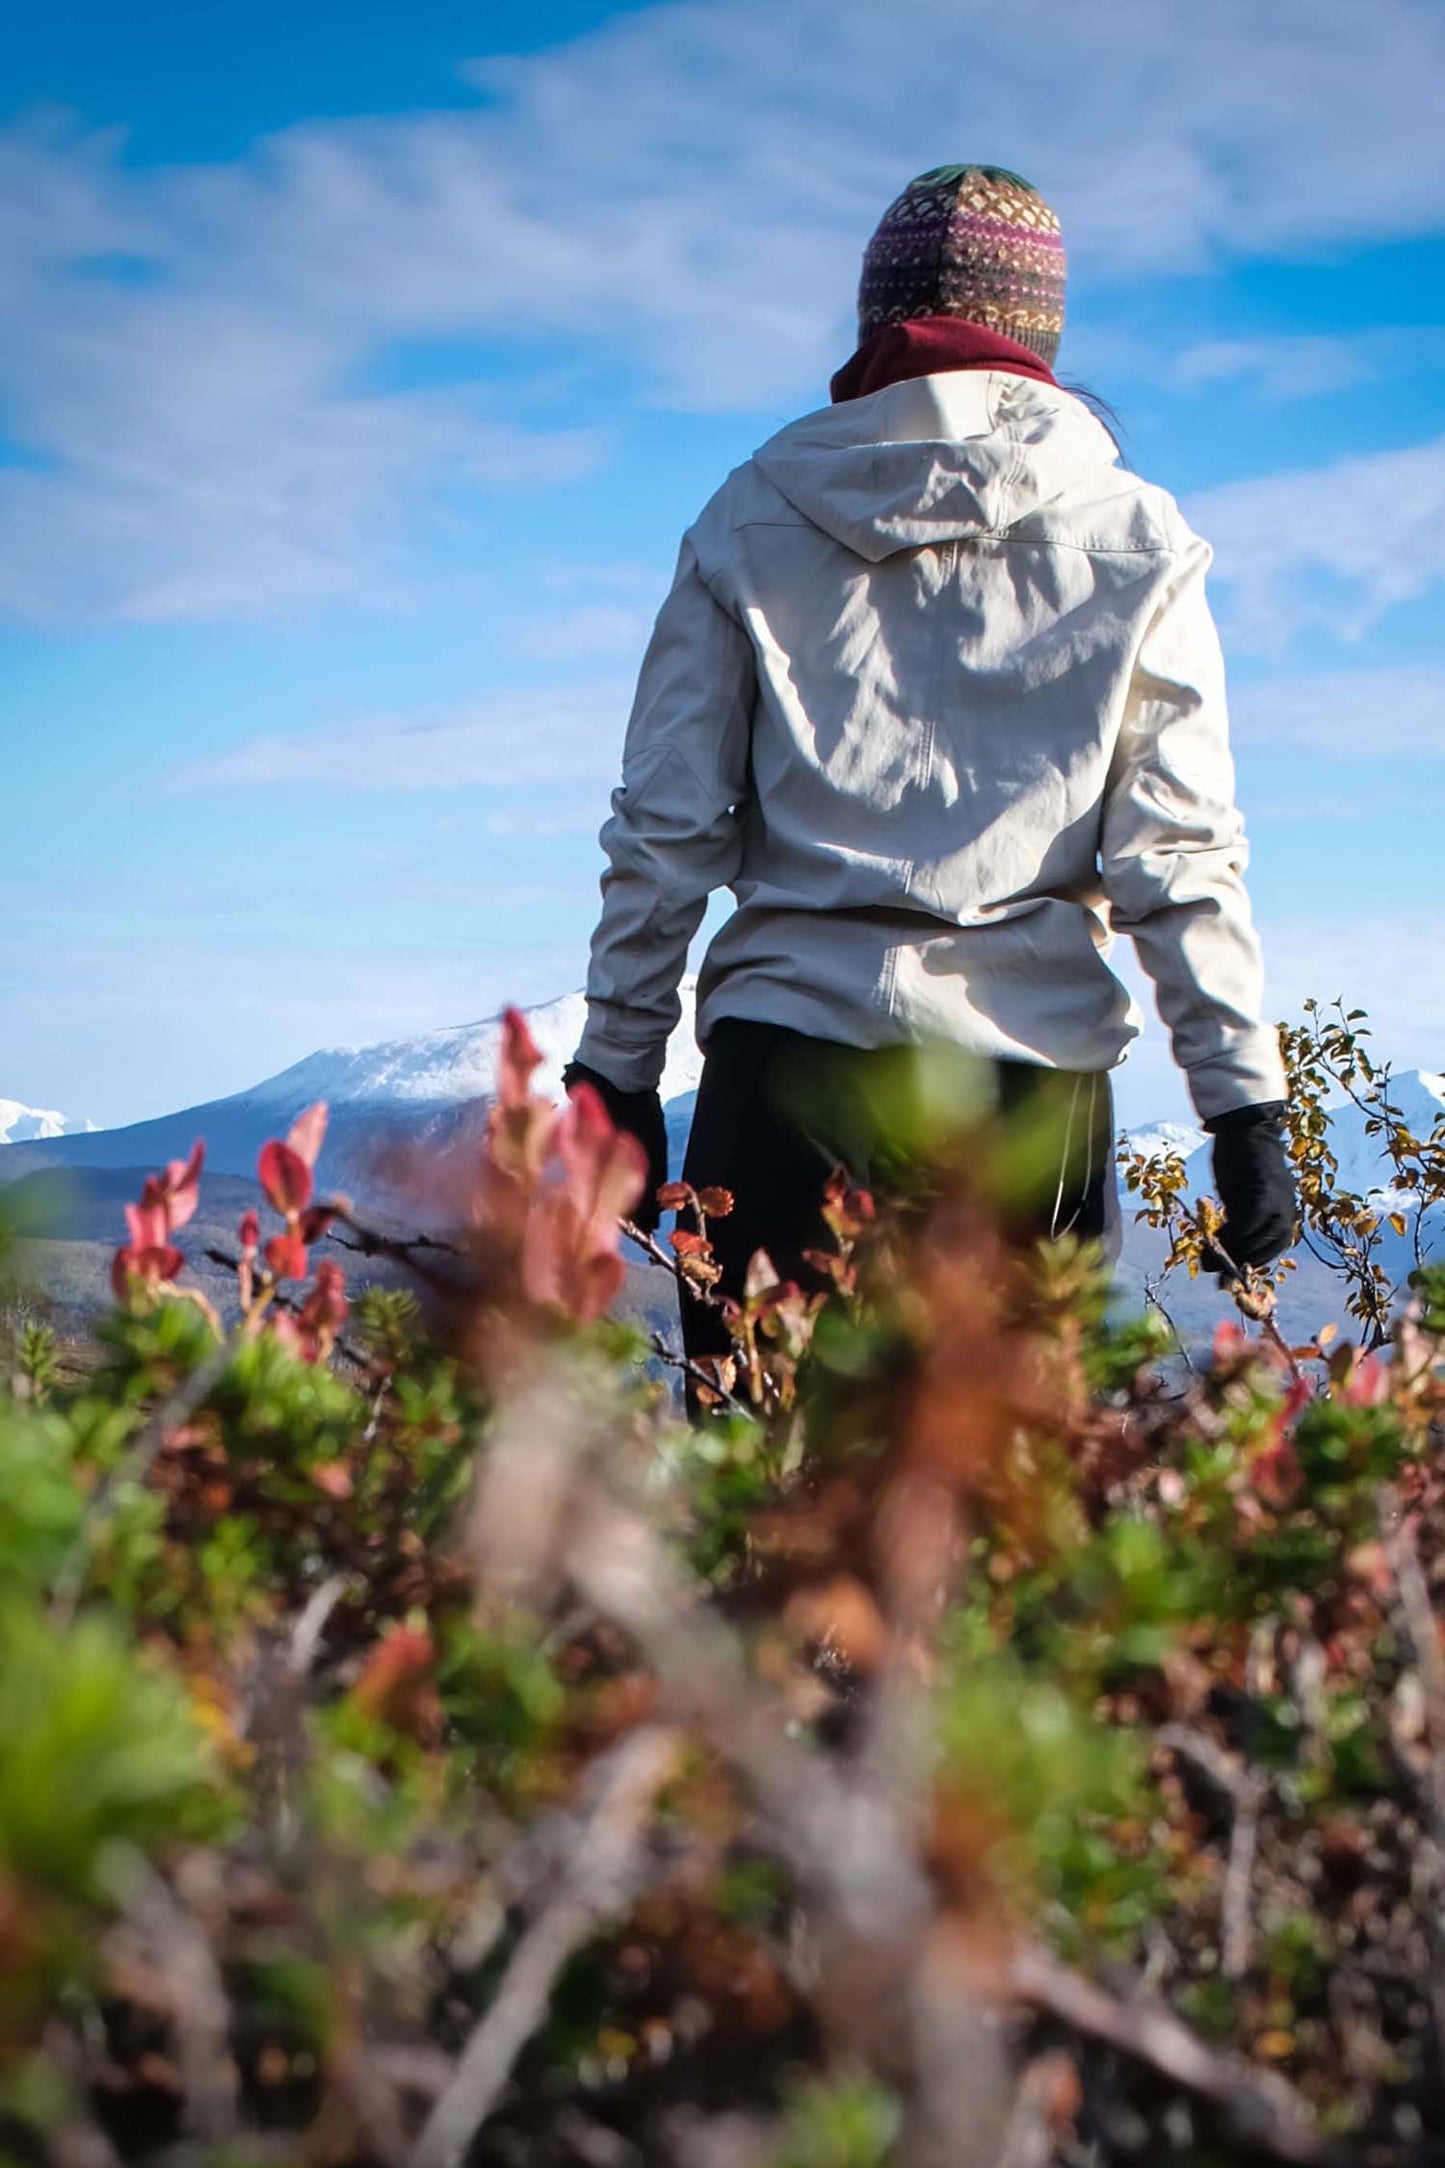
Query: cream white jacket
[938, 695]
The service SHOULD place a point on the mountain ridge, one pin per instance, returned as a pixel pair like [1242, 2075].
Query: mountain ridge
[22, 1124]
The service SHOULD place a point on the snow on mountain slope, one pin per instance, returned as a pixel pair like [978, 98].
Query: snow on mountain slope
[1420, 1096]
[443, 1068]
[19, 1123]
[1159, 1139]
[424, 1087]
[1364, 1166]
[401, 1087]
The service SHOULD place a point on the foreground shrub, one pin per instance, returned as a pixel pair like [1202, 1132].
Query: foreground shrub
[982, 1739]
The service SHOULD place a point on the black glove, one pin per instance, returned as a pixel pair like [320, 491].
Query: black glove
[1255, 1185]
[640, 1114]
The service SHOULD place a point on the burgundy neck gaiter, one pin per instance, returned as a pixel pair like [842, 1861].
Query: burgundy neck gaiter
[926, 346]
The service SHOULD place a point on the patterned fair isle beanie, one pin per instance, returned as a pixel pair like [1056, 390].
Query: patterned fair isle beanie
[969, 241]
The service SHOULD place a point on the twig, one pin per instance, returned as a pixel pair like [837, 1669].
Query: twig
[1259, 2109]
[280, 1300]
[597, 1884]
[1245, 1791]
[372, 1243]
[199, 2010]
[1239, 1289]
[311, 1624]
[847, 1843]
[1156, 1302]
[699, 1376]
[657, 1255]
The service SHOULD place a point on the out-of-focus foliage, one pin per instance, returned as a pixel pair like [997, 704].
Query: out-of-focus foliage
[979, 1730]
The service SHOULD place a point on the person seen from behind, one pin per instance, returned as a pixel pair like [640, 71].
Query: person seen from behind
[938, 696]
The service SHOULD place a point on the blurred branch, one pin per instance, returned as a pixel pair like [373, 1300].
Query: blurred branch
[539, 1511]
[596, 1885]
[200, 2012]
[1244, 1791]
[1261, 2111]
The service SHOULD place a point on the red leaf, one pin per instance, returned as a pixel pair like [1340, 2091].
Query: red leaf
[286, 1257]
[674, 1195]
[605, 1168]
[146, 1221]
[285, 1177]
[519, 1057]
[154, 1263]
[396, 1686]
[315, 1221]
[690, 1245]
[307, 1132]
[1231, 1341]
[180, 1186]
[326, 1305]
[333, 1477]
[249, 1233]
[1275, 1474]
[716, 1203]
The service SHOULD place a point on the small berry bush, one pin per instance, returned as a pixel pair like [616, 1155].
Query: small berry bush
[982, 1738]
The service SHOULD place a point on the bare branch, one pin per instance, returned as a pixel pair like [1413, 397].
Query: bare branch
[597, 1884]
[199, 2010]
[1260, 2110]
[1245, 1792]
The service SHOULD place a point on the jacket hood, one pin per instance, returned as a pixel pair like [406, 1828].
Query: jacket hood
[938, 457]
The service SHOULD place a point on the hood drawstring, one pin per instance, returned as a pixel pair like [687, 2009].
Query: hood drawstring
[1055, 1230]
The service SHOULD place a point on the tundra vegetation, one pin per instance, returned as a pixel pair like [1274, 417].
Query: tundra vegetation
[990, 1735]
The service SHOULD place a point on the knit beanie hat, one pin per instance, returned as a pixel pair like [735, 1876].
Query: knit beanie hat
[968, 241]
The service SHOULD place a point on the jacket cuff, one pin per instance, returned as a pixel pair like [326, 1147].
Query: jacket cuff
[635, 1067]
[1248, 1075]
[1239, 1121]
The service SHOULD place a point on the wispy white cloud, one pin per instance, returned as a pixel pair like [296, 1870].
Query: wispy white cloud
[530, 735]
[683, 191]
[1380, 714]
[1385, 964]
[1286, 367]
[167, 1021]
[592, 632]
[1336, 545]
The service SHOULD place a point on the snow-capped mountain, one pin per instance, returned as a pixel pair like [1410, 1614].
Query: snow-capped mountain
[1420, 1096]
[434, 1087]
[425, 1086]
[1364, 1166]
[443, 1068]
[19, 1123]
[399, 1088]
[1159, 1139]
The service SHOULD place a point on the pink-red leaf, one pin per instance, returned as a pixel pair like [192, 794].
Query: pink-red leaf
[520, 1055]
[286, 1257]
[285, 1177]
[307, 1133]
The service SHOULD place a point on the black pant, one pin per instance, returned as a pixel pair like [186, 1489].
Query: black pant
[777, 1112]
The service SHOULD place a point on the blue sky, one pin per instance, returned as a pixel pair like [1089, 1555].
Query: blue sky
[362, 366]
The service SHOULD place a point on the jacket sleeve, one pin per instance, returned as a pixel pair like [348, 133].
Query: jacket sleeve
[1174, 855]
[673, 837]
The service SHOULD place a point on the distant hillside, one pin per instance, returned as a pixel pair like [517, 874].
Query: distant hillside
[73, 1183]
[402, 1088]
